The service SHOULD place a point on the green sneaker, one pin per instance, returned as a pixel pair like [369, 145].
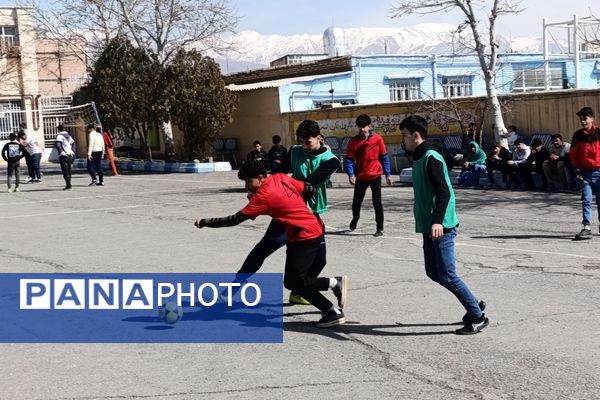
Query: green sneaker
[297, 299]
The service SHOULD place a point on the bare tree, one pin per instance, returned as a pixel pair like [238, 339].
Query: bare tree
[159, 27]
[485, 45]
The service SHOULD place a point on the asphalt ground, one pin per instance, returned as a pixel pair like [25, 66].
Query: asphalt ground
[515, 250]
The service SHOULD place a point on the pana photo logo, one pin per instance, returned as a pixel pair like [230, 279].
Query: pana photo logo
[142, 308]
[130, 294]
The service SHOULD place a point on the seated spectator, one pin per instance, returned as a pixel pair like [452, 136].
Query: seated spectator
[259, 154]
[496, 161]
[473, 166]
[517, 167]
[277, 154]
[556, 166]
[539, 154]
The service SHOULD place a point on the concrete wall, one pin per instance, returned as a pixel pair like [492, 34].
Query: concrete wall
[257, 118]
[541, 112]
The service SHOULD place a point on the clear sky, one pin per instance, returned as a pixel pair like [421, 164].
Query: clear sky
[286, 17]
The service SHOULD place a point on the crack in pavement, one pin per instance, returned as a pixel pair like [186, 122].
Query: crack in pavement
[387, 364]
[54, 265]
[208, 392]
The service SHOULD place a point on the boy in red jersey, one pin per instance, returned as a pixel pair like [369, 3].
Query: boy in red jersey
[283, 199]
[366, 161]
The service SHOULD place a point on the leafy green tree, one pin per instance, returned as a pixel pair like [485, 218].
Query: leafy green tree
[125, 82]
[198, 101]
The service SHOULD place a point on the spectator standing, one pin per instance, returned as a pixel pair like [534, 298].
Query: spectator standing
[95, 153]
[277, 154]
[109, 148]
[35, 155]
[66, 147]
[510, 137]
[258, 154]
[12, 152]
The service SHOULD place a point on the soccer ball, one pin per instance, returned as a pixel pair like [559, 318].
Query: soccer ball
[170, 312]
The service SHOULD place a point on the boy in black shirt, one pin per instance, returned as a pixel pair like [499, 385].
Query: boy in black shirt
[12, 152]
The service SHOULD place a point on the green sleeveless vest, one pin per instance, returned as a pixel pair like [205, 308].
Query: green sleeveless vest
[303, 165]
[425, 195]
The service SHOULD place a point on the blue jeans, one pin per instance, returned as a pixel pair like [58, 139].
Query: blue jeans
[591, 187]
[440, 266]
[474, 180]
[35, 166]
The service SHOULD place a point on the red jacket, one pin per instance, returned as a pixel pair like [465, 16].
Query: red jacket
[108, 143]
[585, 149]
[364, 155]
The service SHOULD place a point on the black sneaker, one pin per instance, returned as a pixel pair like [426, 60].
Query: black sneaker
[331, 318]
[341, 290]
[353, 224]
[466, 318]
[473, 327]
[67, 187]
[378, 233]
[100, 184]
[92, 183]
[584, 234]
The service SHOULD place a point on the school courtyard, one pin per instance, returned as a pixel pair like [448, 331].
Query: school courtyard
[514, 249]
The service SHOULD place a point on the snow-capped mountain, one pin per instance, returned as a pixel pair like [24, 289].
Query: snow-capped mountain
[254, 50]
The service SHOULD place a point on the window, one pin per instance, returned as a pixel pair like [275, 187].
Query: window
[528, 79]
[8, 36]
[405, 89]
[457, 86]
[11, 116]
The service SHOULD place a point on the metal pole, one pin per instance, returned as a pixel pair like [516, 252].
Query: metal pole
[546, 63]
[576, 52]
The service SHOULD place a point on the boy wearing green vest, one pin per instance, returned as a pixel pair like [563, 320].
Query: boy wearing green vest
[436, 220]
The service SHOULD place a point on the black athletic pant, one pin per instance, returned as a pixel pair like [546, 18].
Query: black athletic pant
[303, 264]
[273, 239]
[13, 167]
[360, 188]
[95, 166]
[497, 165]
[65, 167]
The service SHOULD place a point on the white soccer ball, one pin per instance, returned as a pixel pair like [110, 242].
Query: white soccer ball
[170, 312]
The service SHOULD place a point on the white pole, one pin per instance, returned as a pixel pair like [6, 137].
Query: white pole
[546, 63]
[576, 52]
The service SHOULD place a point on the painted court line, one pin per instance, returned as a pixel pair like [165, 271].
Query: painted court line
[97, 209]
[101, 196]
[510, 249]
